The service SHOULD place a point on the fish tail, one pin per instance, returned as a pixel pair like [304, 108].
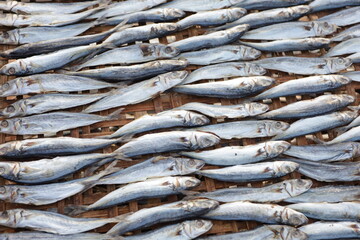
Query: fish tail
[75, 210]
[124, 138]
[317, 140]
[121, 156]
[94, 167]
[340, 130]
[115, 115]
[189, 195]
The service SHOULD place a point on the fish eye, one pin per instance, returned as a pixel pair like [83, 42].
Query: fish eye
[278, 125]
[326, 24]
[11, 70]
[2, 170]
[5, 34]
[168, 50]
[188, 183]
[340, 61]
[2, 190]
[4, 123]
[10, 109]
[5, 86]
[199, 224]
[191, 162]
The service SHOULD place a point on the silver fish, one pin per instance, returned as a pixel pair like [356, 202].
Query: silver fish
[352, 32]
[151, 15]
[344, 17]
[355, 58]
[182, 231]
[54, 7]
[251, 172]
[354, 75]
[45, 170]
[154, 167]
[310, 108]
[138, 92]
[133, 72]
[316, 124]
[166, 119]
[346, 47]
[221, 54]
[305, 65]
[163, 213]
[271, 193]
[238, 155]
[48, 102]
[266, 213]
[195, 6]
[325, 153]
[51, 222]
[290, 44]
[314, 84]
[137, 53]
[245, 129]
[351, 135]
[167, 141]
[266, 232]
[354, 123]
[320, 5]
[267, 4]
[268, 17]
[43, 83]
[151, 188]
[210, 40]
[224, 70]
[49, 123]
[45, 147]
[344, 211]
[331, 230]
[227, 111]
[49, 236]
[328, 193]
[212, 18]
[233, 88]
[289, 30]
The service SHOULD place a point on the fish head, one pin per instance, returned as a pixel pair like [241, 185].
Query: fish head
[9, 169]
[8, 147]
[173, 78]
[195, 119]
[337, 64]
[200, 204]
[292, 217]
[297, 186]
[253, 69]
[9, 37]
[233, 14]
[17, 67]
[173, 12]
[317, 42]
[275, 127]
[8, 126]
[248, 52]
[10, 88]
[264, 81]
[255, 108]
[287, 232]
[347, 116]
[275, 148]
[341, 99]
[200, 140]
[235, 32]
[11, 218]
[188, 165]
[15, 109]
[285, 167]
[194, 228]
[164, 28]
[163, 51]
[8, 193]
[187, 182]
[323, 28]
[355, 149]
[300, 9]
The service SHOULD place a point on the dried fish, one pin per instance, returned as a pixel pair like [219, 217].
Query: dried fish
[195, 6]
[49, 236]
[351, 135]
[320, 5]
[226, 111]
[354, 75]
[233, 88]
[352, 32]
[266, 213]
[346, 47]
[271, 193]
[355, 58]
[251, 172]
[267, 4]
[237, 155]
[138, 92]
[331, 230]
[290, 30]
[344, 17]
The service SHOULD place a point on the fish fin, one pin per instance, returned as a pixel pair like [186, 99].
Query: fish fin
[120, 156]
[73, 210]
[321, 66]
[307, 28]
[122, 217]
[115, 115]
[354, 108]
[107, 171]
[125, 138]
[90, 171]
[267, 169]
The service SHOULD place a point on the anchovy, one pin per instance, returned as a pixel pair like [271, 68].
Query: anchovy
[354, 75]
[268, 4]
[233, 88]
[320, 5]
[151, 188]
[133, 72]
[154, 167]
[49, 123]
[266, 213]
[246, 129]
[352, 32]
[268, 17]
[314, 84]
[49, 236]
[221, 54]
[163, 213]
[224, 70]
[355, 58]
[166, 119]
[212, 18]
[351, 135]
[310, 108]
[251, 172]
[346, 47]
[49, 61]
[238, 155]
[43, 83]
[44, 8]
[271, 193]
[328, 172]
[344, 17]
[151, 15]
[305, 65]
[331, 230]
[45, 147]
[266, 232]
[186, 230]
[344, 211]
[210, 40]
[290, 44]
[51, 222]
[167, 141]
[137, 53]
[325, 153]
[138, 92]
[227, 111]
[290, 30]
[48, 102]
[195, 6]
[46, 170]
[316, 124]
[328, 193]
[354, 123]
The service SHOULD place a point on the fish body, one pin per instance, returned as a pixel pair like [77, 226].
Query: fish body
[346, 47]
[344, 17]
[320, 5]
[251, 172]
[354, 75]
[331, 230]
[206, 5]
[49, 236]
[352, 32]
[268, 4]
[355, 58]
[351, 135]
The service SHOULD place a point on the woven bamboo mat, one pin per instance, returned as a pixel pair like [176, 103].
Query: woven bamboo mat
[163, 102]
